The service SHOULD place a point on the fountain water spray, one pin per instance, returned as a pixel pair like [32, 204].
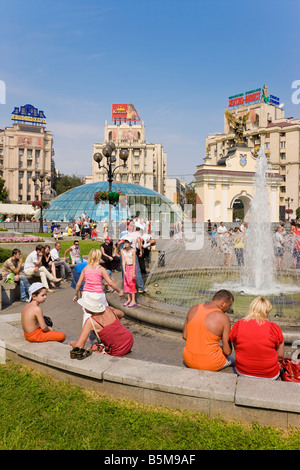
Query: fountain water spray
[259, 270]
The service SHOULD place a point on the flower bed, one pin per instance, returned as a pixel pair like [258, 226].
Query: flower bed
[21, 239]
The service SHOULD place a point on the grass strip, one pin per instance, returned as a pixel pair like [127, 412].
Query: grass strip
[40, 413]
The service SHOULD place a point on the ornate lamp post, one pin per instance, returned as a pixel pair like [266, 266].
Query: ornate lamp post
[289, 211]
[42, 178]
[111, 159]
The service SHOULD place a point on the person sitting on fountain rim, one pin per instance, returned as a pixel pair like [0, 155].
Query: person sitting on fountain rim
[258, 342]
[205, 325]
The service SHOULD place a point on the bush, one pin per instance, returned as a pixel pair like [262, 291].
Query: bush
[5, 254]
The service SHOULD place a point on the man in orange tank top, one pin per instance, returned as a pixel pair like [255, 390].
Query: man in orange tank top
[205, 325]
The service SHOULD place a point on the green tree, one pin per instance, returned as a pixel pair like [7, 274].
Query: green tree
[3, 192]
[66, 182]
[298, 213]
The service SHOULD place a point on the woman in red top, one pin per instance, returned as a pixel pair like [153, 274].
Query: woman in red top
[105, 321]
[258, 343]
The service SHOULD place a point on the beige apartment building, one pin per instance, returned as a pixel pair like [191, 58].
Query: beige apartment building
[146, 164]
[25, 151]
[253, 125]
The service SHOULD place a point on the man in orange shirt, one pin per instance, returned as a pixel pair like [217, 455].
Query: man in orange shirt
[205, 325]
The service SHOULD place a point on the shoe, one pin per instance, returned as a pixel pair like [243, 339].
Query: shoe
[50, 291]
[132, 305]
[83, 354]
[125, 304]
[57, 279]
[142, 291]
[25, 300]
[75, 351]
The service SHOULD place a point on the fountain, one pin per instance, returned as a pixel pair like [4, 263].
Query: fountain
[259, 268]
[191, 277]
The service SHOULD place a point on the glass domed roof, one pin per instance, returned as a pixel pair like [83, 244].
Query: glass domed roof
[76, 201]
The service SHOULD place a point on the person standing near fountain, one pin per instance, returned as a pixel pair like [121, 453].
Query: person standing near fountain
[279, 246]
[205, 325]
[258, 343]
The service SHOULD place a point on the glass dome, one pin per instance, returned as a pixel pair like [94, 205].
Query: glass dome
[76, 201]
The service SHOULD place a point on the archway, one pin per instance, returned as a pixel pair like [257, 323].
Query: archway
[240, 207]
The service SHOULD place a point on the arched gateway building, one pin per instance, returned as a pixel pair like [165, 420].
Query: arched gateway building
[224, 182]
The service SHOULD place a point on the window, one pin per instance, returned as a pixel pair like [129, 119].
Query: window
[21, 152]
[267, 145]
[37, 154]
[29, 153]
[136, 160]
[21, 174]
[136, 167]
[283, 156]
[282, 145]
[136, 177]
[282, 189]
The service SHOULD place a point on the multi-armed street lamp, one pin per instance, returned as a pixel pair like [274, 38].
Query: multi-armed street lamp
[42, 178]
[111, 159]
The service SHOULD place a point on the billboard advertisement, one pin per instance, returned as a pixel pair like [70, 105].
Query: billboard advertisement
[124, 112]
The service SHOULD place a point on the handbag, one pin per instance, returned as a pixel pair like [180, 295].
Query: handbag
[289, 370]
[99, 347]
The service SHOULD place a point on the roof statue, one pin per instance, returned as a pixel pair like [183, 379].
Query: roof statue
[238, 124]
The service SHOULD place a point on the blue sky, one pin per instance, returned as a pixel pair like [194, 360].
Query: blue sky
[176, 61]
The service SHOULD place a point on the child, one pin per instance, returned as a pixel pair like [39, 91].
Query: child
[128, 256]
[33, 323]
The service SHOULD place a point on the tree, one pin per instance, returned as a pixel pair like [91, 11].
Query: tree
[3, 192]
[298, 213]
[66, 182]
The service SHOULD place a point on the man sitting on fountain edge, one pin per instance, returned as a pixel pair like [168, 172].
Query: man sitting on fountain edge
[205, 325]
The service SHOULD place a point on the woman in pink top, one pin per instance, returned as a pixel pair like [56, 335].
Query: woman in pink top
[92, 276]
[128, 256]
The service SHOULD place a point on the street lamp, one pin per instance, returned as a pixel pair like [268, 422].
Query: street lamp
[288, 200]
[42, 178]
[111, 159]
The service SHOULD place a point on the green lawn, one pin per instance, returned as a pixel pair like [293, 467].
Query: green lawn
[40, 413]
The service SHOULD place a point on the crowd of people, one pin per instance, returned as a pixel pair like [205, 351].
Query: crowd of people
[233, 241]
[91, 279]
[209, 336]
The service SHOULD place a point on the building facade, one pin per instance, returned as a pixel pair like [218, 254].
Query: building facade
[146, 164]
[175, 190]
[264, 123]
[26, 150]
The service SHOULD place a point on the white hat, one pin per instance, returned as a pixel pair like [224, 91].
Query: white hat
[92, 302]
[33, 288]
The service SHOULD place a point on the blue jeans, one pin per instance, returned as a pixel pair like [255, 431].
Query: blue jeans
[24, 286]
[139, 279]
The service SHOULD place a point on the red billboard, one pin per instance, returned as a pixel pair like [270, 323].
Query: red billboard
[124, 112]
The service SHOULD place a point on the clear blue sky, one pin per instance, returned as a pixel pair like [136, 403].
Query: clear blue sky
[176, 61]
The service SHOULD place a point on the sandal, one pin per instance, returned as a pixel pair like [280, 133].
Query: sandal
[126, 303]
[75, 351]
[132, 305]
[84, 353]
